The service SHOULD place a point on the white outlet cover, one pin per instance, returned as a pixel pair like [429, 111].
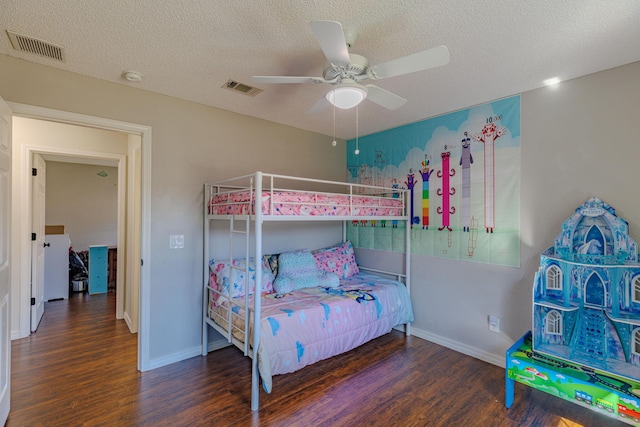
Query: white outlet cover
[494, 324]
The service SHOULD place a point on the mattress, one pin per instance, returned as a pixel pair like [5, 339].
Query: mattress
[312, 324]
[298, 203]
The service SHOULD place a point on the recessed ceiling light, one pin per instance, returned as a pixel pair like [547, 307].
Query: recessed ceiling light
[133, 76]
[552, 81]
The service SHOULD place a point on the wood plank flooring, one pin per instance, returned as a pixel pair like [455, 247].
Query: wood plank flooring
[79, 368]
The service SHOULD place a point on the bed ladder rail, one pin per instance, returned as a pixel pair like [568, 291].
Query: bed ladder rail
[246, 232]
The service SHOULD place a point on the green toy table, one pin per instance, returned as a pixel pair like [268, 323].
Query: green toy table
[601, 391]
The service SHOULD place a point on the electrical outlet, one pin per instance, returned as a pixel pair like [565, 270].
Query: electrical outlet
[494, 323]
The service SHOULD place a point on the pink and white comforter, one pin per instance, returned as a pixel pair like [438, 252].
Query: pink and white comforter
[302, 203]
[312, 324]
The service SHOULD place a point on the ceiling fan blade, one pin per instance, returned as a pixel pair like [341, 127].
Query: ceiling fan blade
[286, 79]
[419, 61]
[382, 97]
[319, 106]
[330, 36]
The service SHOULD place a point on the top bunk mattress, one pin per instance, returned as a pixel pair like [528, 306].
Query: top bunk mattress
[301, 203]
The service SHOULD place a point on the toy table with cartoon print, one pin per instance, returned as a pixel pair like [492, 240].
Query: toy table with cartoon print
[600, 391]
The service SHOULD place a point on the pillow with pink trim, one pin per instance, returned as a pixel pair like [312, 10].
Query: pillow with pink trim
[225, 279]
[338, 259]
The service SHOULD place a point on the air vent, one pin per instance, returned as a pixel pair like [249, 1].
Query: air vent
[241, 87]
[38, 47]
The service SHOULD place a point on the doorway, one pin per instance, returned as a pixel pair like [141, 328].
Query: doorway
[82, 211]
[22, 160]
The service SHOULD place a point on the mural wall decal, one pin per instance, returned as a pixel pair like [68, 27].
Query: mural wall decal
[475, 154]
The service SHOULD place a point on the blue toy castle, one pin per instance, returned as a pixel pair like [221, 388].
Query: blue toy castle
[586, 293]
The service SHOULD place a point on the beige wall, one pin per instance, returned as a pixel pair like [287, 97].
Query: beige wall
[191, 144]
[84, 202]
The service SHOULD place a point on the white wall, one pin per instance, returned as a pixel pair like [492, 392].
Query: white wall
[84, 202]
[191, 144]
[579, 139]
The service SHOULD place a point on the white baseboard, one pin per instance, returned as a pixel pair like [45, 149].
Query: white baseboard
[217, 345]
[187, 354]
[176, 357]
[129, 323]
[498, 360]
[494, 359]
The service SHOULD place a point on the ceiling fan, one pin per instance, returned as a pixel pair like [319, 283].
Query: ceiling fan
[346, 71]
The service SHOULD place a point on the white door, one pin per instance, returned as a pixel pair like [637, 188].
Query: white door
[5, 276]
[37, 245]
[134, 284]
[56, 267]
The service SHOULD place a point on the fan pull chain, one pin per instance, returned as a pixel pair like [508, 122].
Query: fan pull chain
[357, 149]
[334, 142]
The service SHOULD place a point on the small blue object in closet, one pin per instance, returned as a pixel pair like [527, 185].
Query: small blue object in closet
[97, 269]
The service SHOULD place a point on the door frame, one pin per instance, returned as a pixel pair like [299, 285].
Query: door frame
[144, 131]
[6, 155]
[120, 162]
[37, 184]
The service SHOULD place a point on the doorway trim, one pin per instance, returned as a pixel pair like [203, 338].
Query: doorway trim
[144, 131]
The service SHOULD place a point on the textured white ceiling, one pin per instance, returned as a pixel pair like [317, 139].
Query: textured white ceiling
[189, 48]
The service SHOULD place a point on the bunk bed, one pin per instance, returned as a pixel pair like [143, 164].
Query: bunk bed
[294, 314]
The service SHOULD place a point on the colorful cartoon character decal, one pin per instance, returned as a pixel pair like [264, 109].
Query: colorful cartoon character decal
[426, 173]
[410, 183]
[358, 295]
[395, 195]
[466, 159]
[490, 132]
[445, 191]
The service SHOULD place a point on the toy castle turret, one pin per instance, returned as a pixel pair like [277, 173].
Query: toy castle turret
[586, 293]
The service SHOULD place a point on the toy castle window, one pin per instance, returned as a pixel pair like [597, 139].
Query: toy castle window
[594, 292]
[636, 341]
[595, 241]
[636, 289]
[554, 278]
[553, 324]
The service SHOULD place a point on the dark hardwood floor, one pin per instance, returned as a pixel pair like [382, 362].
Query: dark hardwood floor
[79, 368]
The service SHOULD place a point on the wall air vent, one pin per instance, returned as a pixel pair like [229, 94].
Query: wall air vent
[38, 47]
[241, 87]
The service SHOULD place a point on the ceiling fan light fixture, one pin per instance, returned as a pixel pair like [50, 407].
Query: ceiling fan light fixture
[347, 95]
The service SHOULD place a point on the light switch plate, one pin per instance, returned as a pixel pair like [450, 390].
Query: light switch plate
[176, 241]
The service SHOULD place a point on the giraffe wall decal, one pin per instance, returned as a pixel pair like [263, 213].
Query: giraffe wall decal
[490, 132]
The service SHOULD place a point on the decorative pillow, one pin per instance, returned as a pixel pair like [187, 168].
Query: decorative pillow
[224, 280]
[272, 262]
[213, 296]
[338, 259]
[298, 269]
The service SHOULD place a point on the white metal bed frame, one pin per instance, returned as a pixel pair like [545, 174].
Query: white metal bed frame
[256, 187]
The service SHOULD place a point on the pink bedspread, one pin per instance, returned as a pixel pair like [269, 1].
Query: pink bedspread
[302, 203]
[313, 324]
